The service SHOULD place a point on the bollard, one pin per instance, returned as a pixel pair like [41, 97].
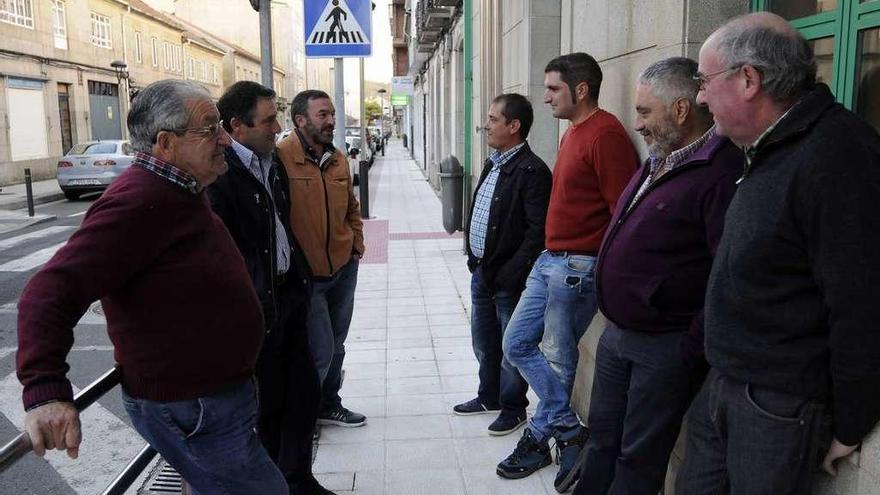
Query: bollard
[30, 191]
[365, 189]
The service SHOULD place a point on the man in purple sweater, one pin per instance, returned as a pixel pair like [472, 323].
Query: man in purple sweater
[181, 311]
[651, 278]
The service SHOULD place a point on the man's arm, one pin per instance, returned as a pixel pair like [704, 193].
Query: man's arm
[615, 160]
[838, 207]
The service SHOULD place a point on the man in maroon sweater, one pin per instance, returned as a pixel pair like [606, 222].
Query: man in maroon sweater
[181, 310]
[595, 161]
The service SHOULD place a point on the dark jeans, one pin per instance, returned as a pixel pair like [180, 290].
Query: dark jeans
[500, 382]
[641, 391]
[329, 318]
[290, 392]
[747, 439]
[210, 441]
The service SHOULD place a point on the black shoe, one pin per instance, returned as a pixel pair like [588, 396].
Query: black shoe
[309, 486]
[472, 407]
[506, 424]
[529, 456]
[342, 417]
[570, 455]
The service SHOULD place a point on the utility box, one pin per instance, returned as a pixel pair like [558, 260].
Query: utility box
[451, 191]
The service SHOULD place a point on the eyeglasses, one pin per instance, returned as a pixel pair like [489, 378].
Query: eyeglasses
[209, 131]
[704, 79]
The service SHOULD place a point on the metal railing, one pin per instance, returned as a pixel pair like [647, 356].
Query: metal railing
[21, 445]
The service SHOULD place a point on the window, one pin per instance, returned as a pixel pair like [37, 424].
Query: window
[214, 76]
[59, 24]
[138, 50]
[173, 57]
[101, 34]
[198, 70]
[18, 12]
[155, 45]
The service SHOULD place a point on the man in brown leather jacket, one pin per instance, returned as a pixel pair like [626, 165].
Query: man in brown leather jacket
[325, 217]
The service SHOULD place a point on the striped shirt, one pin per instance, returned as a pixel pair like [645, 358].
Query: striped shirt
[168, 171]
[259, 167]
[483, 200]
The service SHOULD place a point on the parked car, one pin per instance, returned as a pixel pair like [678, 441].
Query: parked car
[283, 134]
[92, 166]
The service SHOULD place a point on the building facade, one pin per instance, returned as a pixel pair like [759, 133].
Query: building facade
[511, 41]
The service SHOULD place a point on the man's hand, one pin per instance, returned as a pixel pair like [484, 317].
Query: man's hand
[54, 426]
[836, 451]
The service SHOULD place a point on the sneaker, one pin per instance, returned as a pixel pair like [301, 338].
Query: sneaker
[506, 424]
[570, 455]
[342, 417]
[472, 407]
[529, 456]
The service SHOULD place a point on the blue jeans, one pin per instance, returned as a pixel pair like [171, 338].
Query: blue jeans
[210, 441]
[745, 438]
[641, 391]
[500, 383]
[553, 312]
[329, 318]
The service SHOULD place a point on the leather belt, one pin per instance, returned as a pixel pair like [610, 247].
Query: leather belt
[572, 253]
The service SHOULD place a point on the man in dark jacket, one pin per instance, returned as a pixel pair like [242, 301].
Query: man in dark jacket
[791, 304]
[252, 201]
[505, 235]
[651, 278]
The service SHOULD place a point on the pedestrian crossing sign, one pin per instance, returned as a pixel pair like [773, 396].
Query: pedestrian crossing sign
[338, 28]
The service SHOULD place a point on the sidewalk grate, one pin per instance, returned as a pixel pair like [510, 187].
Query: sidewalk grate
[164, 479]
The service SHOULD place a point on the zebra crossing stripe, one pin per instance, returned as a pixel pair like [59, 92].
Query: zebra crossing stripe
[38, 234]
[31, 261]
[108, 443]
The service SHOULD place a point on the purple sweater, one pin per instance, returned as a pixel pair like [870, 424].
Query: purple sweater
[181, 311]
[655, 259]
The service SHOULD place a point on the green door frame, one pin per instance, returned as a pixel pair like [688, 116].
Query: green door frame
[844, 24]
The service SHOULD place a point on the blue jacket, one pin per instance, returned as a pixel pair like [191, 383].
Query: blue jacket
[655, 259]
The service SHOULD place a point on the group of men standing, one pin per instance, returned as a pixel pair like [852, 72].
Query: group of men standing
[227, 269]
[738, 269]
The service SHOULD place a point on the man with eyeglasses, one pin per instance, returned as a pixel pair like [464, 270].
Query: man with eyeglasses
[651, 280]
[185, 322]
[791, 306]
[252, 200]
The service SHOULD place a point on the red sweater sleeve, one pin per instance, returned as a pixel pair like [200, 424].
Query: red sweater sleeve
[98, 257]
[615, 161]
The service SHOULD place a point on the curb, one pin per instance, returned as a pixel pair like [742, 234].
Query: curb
[18, 204]
[28, 223]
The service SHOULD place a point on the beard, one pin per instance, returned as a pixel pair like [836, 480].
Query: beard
[322, 135]
[666, 138]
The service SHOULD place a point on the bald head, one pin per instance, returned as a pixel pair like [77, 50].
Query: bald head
[773, 47]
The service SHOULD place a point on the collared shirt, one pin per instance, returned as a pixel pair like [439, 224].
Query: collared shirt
[660, 166]
[752, 150]
[259, 167]
[329, 150]
[483, 200]
[167, 171]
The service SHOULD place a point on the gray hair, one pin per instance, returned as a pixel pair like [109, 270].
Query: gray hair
[161, 106]
[784, 59]
[672, 79]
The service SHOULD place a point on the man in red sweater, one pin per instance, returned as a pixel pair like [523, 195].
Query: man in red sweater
[595, 162]
[181, 311]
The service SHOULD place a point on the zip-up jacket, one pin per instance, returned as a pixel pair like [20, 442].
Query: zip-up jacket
[656, 256]
[325, 217]
[245, 207]
[515, 230]
[793, 302]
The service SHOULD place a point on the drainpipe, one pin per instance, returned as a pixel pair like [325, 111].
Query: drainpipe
[467, 14]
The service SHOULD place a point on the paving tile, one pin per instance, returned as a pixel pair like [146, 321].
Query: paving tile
[408, 321]
[355, 335]
[407, 310]
[452, 341]
[369, 483]
[475, 426]
[415, 405]
[419, 454]
[371, 356]
[372, 432]
[405, 369]
[409, 332]
[363, 388]
[411, 354]
[361, 371]
[455, 353]
[424, 482]
[462, 367]
[407, 342]
[486, 450]
[442, 331]
[459, 383]
[409, 299]
[344, 457]
[448, 319]
[484, 481]
[422, 426]
[337, 482]
[413, 385]
[367, 345]
[371, 323]
[371, 407]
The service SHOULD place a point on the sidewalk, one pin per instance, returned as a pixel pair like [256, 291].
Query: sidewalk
[13, 204]
[409, 359]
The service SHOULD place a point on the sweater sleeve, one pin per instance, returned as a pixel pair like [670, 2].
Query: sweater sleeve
[842, 228]
[113, 243]
[614, 160]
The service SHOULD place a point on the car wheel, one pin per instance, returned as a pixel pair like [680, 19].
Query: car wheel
[71, 195]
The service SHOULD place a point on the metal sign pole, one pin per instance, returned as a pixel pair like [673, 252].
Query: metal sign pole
[266, 44]
[339, 103]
